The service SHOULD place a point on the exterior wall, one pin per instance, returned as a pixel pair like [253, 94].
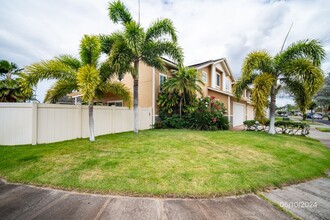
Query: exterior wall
[222, 97]
[32, 123]
[208, 83]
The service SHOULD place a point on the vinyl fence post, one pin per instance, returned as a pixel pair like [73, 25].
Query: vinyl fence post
[34, 123]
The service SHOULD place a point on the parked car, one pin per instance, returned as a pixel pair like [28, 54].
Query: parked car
[329, 116]
[309, 115]
[317, 116]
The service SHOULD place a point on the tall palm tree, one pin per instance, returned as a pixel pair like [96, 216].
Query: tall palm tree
[133, 44]
[86, 75]
[185, 82]
[301, 60]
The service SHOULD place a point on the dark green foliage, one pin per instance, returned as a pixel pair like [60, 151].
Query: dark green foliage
[208, 114]
[173, 121]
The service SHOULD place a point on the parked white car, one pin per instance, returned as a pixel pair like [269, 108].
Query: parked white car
[317, 116]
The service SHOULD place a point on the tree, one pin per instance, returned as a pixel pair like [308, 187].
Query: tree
[323, 96]
[301, 60]
[86, 75]
[10, 90]
[133, 44]
[185, 82]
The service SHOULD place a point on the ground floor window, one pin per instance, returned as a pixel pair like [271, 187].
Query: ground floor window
[117, 103]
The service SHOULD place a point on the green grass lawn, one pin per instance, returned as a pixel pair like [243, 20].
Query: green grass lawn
[323, 129]
[180, 163]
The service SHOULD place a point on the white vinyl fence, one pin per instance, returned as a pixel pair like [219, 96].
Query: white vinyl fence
[32, 123]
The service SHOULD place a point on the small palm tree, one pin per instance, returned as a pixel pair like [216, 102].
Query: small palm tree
[86, 75]
[133, 44]
[185, 82]
[10, 90]
[301, 60]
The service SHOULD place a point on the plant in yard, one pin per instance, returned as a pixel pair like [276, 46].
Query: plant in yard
[209, 115]
[184, 83]
[10, 90]
[300, 62]
[127, 48]
[86, 75]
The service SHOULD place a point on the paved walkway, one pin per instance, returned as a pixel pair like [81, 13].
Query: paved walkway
[28, 202]
[323, 137]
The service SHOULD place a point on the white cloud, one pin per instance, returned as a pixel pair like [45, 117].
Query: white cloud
[33, 30]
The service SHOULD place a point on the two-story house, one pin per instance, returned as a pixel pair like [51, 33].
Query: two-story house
[218, 82]
[216, 75]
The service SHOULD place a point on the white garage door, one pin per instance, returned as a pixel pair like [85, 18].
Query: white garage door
[238, 114]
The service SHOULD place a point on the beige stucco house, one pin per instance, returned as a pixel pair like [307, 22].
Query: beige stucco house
[216, 75]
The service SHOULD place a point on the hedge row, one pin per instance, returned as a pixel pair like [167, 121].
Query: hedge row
[283, 127]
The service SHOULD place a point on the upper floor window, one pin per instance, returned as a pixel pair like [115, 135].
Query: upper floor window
[227, 85]
[162, 78]
[218, 80]
[204, 77]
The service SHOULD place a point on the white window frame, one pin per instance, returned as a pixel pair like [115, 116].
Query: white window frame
[204, 76]
[116, 101]
[160, 83]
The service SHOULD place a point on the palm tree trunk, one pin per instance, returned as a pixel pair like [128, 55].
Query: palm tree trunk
[136, 97]
[180, 107]
[91, 122]
[272, 111]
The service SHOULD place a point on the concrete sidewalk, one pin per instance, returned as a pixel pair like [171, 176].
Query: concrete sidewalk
[323, 137]
[27, 202]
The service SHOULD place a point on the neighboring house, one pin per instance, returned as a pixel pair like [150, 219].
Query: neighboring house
[216, 75]
[219, 81]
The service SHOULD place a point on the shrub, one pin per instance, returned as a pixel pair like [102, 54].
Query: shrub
[284, 127]
[207, 115]
[173, 121]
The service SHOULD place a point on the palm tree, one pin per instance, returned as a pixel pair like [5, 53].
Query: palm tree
[133, 44]
[301, 60]
[10, 90]
[86, 75]
[185, 82]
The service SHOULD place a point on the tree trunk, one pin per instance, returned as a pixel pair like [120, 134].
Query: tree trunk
[136, 97]
[91, 122]
[180, 107]
[272, 111]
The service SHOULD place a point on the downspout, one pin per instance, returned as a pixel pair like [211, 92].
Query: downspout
[153, 96]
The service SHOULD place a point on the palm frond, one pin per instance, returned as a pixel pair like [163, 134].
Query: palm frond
[60, 89]
[308, 49]
[161, 28]
[157, 49]
[106, 71]
[304, 71]
[70, 61]
[119, 13]
[90, 50]
[134, 36]
[51, 69]
[257, 62]
[88, 79]
[262, 86]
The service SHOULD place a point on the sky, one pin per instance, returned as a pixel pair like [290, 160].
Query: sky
[34, 30]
